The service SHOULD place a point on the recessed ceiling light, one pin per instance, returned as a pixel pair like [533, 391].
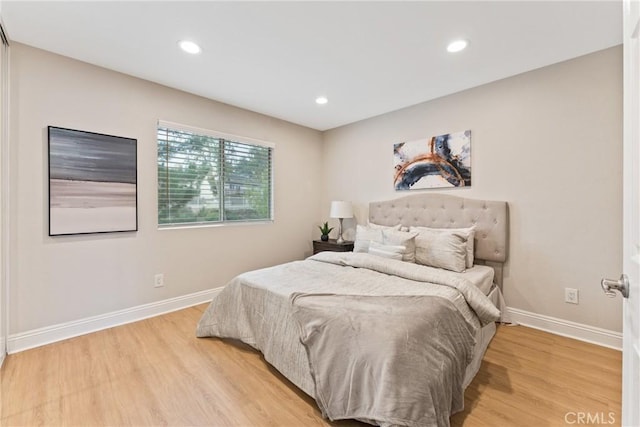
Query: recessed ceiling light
[457, 46]
[189, 47]
[321, 100]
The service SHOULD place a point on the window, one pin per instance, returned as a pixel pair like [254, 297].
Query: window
[206, 177]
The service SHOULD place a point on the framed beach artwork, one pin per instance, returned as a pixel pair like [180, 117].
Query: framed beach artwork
[92, 182]
[436, 162]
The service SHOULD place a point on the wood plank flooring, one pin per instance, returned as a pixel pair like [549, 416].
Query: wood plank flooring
[155, 372]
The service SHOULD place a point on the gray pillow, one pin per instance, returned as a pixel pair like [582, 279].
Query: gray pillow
[442, 249]
[469, 232]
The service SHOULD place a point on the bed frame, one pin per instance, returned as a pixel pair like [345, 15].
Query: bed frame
[490, 218]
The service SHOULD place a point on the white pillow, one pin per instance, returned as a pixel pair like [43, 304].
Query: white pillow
[383, 227]
[469, 232]
[401, 238]
[386, 251]
[442, 248]
[364, 235]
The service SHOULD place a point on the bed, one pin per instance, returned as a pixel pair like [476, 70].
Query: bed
[384, 341]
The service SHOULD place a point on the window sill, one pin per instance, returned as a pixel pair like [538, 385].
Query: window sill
[214, 225]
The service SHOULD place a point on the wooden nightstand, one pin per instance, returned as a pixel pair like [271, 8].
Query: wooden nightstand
[331, 245]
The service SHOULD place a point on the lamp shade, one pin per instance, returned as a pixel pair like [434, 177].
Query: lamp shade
[341, 209]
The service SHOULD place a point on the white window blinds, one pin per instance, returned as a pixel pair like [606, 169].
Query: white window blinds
[204, 177]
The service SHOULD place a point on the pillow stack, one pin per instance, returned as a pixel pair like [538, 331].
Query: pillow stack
[384, 241]
[370, 233]
[448, 248]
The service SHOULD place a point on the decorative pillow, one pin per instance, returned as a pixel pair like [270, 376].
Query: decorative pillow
[442, 248]
[401, 238]
[386, 251]
[383, 227]
[364, 235]
[469, 232]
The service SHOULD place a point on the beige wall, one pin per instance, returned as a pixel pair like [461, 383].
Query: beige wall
[550, 143]
[59, 279]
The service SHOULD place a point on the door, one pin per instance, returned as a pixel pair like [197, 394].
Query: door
[631, 213]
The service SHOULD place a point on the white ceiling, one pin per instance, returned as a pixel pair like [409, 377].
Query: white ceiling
[275, 58]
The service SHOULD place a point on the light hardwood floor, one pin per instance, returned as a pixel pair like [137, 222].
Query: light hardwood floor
[155, 372]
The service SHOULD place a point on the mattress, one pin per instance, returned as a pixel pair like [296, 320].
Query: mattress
[481, 276]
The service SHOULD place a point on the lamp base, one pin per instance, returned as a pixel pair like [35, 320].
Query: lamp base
[340, 239]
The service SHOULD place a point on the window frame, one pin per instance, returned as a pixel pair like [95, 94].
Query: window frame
[221, 136]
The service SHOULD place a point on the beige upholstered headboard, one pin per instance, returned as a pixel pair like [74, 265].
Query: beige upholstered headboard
[490, 218]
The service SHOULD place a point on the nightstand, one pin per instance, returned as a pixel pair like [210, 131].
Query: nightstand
[331, 245]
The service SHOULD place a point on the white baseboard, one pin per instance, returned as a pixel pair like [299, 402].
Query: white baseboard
[47, 335]
[566, 328]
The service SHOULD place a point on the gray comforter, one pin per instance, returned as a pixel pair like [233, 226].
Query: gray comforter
[396, 360]
[382, 341]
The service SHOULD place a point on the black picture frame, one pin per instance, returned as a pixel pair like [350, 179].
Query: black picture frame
[93, 182]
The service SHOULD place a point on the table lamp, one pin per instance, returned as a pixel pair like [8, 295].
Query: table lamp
[341, 210]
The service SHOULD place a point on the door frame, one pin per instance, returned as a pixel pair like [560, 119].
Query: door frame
[4, 191]
[631, 212]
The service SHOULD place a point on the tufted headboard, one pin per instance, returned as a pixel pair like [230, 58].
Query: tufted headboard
[490, 218]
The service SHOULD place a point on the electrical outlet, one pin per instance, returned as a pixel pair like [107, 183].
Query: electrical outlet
[571, 295]
[158, 280]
